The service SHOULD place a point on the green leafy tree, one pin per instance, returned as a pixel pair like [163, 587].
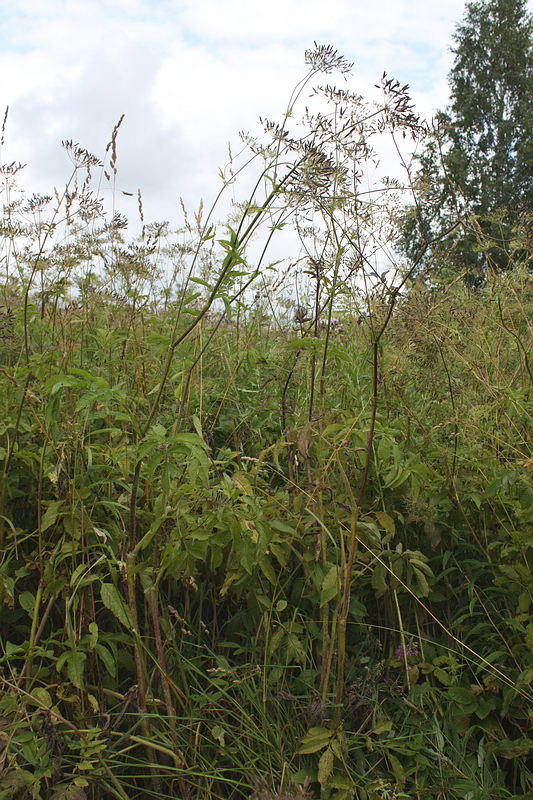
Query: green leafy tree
[478, 167]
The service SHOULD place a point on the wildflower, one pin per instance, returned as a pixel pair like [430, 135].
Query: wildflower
[410, 650]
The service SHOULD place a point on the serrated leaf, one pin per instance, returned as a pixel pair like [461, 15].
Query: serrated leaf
[75, 664]
[330, 585]
[399, 773]
[422, 582]
[268, 571]
[93, 634]
[42, 696]
[276, 639]
[107, 658]
[464, 698]
[315, 739]
[242, 483]
[325, 766]
[112, 599]
[51, 514]
[386, 522]
[378, 581]
[27, 601]
[337, 748]
[383, 725]
[72, 792]
[296, 649]
[17, 779]
[442, 676]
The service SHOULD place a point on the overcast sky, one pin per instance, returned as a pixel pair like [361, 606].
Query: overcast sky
[189, 75]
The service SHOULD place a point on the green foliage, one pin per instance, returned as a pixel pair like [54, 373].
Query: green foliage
[476, 172]
[250, 554]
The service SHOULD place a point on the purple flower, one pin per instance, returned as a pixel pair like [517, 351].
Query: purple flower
[410, 650]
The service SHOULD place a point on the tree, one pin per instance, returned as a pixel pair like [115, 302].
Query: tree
[478, 167]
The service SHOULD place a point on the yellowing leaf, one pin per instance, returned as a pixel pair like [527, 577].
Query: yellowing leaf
[386, 522]
[248, 525]
[230, 578]
[325, 766]
[315, 739]
[242, 483]
[383, 725]
[42, 697]
[399, 773]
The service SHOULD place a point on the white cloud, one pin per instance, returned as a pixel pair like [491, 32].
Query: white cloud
[189, 75]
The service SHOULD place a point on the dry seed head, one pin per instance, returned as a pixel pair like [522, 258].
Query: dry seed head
[325, 59]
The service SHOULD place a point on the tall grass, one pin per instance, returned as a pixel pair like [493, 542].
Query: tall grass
[259, 546]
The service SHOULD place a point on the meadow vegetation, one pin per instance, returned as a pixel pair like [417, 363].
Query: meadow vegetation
[260, 545]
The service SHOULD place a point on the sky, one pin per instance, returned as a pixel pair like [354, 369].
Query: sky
[189, 75]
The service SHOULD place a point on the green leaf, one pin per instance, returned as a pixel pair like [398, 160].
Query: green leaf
[51, 514]
[218, 733]
[422, 582]
[42, 697]
[112, 599]
[337, 748]
[75, 664]
[330, 585]
[464, 699]
[27, 601]
[307, 343]
[107, 658]
[442, 676]
[276, 639]
[201, 281]
[512, 749]
[283, 527]
[17, 779]
[383, 725]
[399, 773]
[396, 478]
[378, 579]
[240, 479]
[71, 792]
[295, 648]
[268, 571]
[93, 634]
[315, 739]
